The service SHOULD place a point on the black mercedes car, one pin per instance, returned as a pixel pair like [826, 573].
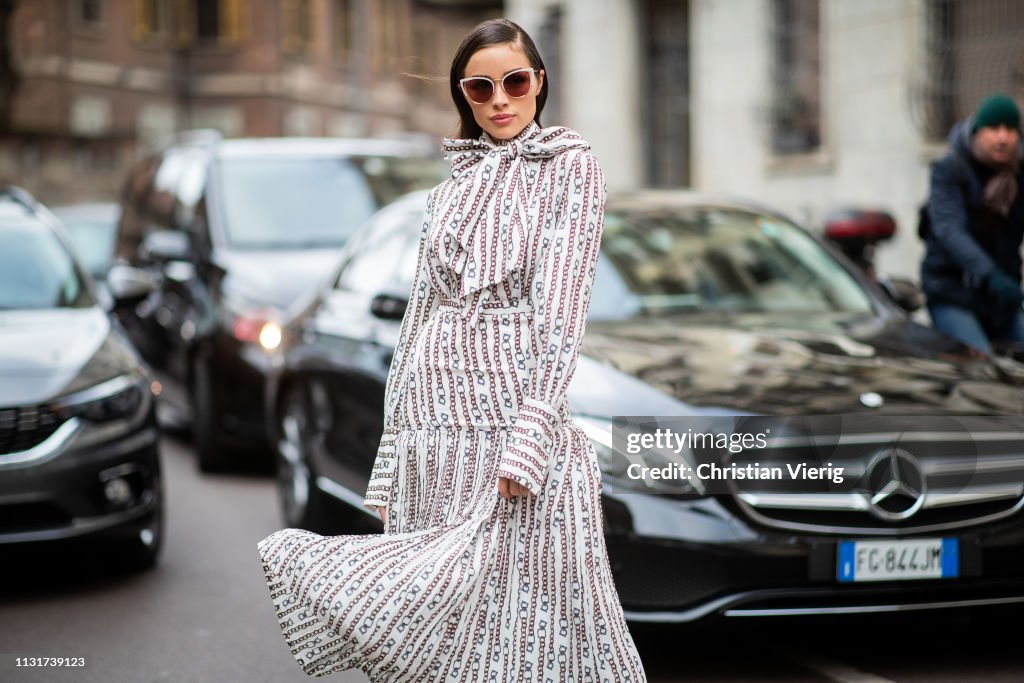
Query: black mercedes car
[78, 431]
[230, 232]
[708, 308]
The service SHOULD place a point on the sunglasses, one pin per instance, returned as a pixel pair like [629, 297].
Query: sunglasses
[480, 89]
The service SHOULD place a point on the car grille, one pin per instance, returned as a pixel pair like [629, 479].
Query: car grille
[950, 480]
[24, 428]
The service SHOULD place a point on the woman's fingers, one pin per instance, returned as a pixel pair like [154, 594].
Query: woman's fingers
[508, 488]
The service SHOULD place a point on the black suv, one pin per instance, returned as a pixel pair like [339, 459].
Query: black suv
[78, 430]
[228, 234]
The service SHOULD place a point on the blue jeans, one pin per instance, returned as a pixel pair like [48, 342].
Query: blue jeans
[964, 325]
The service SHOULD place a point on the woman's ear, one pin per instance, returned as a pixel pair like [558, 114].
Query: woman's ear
[540, 80]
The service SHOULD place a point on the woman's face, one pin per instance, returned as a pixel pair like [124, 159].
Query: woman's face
[503, 117]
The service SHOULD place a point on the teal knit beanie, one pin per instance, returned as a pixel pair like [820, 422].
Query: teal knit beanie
[995, 110]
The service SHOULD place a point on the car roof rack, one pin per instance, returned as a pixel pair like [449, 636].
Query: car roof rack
[19, 196]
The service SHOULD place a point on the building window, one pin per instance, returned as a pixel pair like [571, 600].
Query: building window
[150, 19]
[342, 35]
[85, 17]
[667, 89]
[210, 22]
[89, 11]
[207, 21]
[972, 49]
[796, 77]
[386, 40]
[298, 25]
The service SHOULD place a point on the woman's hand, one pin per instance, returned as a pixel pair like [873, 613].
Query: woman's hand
[507, 488]
[383, 512]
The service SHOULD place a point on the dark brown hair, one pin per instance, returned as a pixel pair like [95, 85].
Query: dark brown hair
[491, 32]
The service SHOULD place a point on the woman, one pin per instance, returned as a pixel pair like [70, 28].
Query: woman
[493, 565]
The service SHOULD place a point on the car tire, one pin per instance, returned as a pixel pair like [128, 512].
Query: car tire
[303, 505]
[211, 454]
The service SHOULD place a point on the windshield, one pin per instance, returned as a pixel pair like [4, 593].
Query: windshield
[36, 271]
[293, 203]
[94, 243]
[716, 259]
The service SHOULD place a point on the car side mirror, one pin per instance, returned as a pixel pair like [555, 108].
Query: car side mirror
[162, 246]
[388, 306]
[905, 293]
[128, 285]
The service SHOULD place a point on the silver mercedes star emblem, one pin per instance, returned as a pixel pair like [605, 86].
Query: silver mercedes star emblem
[894, 486]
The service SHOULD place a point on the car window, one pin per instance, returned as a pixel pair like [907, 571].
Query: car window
[382, 250]
[133, 220]
[292, 202]
[162, 200]
[709, 258]
[406, 272]
[190, 186]
[93, 240]
[36, 270]
[391, 177]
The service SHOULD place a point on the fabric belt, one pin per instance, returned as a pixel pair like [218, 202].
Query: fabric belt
[486, 307]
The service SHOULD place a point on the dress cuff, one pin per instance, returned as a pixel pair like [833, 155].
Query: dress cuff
[378, 492]
[529, 446]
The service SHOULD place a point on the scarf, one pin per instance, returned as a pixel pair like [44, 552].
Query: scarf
[482, 225]
[1001, 189]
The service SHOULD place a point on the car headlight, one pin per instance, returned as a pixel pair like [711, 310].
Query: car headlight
[259, 325]
[648, 470]
[117, 398]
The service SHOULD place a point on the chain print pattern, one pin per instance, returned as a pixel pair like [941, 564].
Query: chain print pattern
[465, 585]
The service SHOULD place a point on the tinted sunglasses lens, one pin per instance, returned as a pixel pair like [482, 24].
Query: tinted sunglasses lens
[517, 84]
[479, 90]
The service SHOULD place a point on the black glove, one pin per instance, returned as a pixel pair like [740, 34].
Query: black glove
[1004, 293]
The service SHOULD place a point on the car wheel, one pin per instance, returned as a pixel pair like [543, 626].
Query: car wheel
[211, 456]
[303, 505]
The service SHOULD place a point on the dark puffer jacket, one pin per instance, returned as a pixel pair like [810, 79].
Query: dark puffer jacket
[966, 239]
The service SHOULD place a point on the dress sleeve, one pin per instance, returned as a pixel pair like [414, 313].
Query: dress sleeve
[561, 294]
[423, 301]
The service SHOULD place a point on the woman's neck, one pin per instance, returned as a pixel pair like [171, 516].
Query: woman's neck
[499, 142]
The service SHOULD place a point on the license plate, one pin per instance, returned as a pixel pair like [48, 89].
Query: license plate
[899, 560]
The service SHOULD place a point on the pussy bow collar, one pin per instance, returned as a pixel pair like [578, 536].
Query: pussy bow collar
[483, 224]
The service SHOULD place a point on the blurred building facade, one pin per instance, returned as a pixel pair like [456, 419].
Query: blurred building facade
[805, 104]
[96, 80]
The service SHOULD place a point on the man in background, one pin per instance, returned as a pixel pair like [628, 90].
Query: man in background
[971, 271]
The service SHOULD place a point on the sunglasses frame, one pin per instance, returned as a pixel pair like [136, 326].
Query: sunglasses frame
[494, 86]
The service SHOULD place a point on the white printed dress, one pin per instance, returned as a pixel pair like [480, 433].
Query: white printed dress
[465, 585]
